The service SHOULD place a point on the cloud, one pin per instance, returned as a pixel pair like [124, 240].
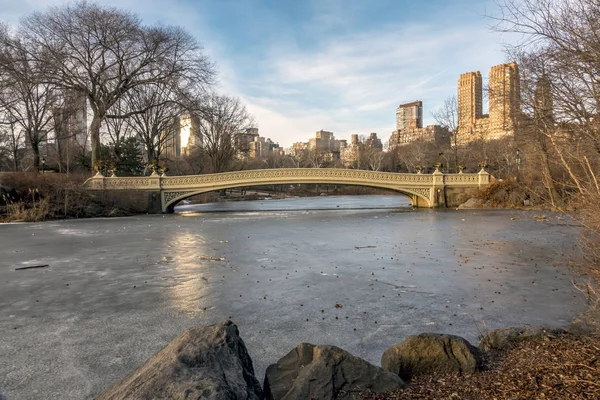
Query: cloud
[355, 82]
[339, 65]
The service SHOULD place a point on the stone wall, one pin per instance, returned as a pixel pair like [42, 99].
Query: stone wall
[135, 201]
[455, 196]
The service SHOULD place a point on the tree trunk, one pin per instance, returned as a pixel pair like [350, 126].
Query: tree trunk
[149, 154]
[555, 197]
[59, 152]
[15, 160]
[95, 138]
[35, 147]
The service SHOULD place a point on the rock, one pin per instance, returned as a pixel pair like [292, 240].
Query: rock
[472, 203]
[202, 363]
[586, 323]
[502, 338]
[431, 353]
[94, 210]
[117, 212]
[325, 372]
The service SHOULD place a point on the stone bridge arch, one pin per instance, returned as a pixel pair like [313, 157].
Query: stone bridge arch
[172, 198]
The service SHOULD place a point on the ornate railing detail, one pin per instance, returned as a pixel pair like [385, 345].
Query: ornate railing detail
[461, 178]
[170, 196]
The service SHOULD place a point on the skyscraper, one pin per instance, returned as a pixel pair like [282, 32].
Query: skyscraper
[504, 104]
[409, 116]
[469, 101]
[504, 95]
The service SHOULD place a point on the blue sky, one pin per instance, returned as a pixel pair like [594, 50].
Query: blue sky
[338, 65]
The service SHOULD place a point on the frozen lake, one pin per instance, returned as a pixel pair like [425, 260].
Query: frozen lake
[117, 290]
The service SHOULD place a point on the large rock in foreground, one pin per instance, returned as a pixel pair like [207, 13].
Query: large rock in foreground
[202, 363]
[431, 353]
[325, 372]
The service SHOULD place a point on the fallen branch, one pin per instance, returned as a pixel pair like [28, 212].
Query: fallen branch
[32, 267]
[212, 258]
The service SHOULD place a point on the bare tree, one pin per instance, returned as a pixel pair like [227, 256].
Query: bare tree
[222, 119]
[105, 52]
[196, 161]
[274, 160]
[298, 157]
[12, 142]
[316, 158]
[25, 100]
[117, 129]
[447, 116]
[373, 158]
[560, 60]
[153, 116]
[561, 44]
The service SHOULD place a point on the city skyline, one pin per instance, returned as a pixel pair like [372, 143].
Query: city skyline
[338, 66]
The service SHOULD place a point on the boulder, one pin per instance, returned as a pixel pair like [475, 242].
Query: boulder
[325, 372]
[505, 337]
[472, 203]
[202, 363]
[586, 323]
[95, 210]
[431, 353]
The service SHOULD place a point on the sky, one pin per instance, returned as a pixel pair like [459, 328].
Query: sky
[338, 65]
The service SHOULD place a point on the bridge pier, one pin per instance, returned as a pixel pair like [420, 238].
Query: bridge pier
[438, 192]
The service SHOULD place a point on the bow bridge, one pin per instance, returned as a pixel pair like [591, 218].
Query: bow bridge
[156, 193]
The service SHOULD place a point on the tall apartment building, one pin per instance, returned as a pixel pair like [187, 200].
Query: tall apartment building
[504, 104]
[409, 127]
[181, 137]
[505, 100]
[350, 153]
[253, 145]
[324, 142]
[373, 142]
[432, 133]
[470, 104]
[409, 116]
[70, 121]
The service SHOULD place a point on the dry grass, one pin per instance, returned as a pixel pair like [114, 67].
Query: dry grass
[44, 196]
[506, 194]
[588, 214]
[564, 367]
[37, 211]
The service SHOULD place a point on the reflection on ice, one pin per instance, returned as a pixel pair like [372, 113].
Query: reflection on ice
[187, 292]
